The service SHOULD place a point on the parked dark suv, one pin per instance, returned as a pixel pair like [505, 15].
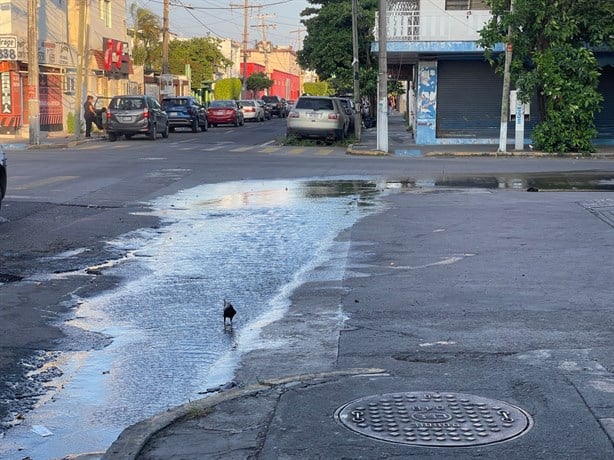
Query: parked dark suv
[129, 115]
[277, 106]
[185, 111]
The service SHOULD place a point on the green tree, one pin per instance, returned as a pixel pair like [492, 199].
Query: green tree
[146, 31]
[553, 43]
[327, 48]
[203, 55]
[258, 81]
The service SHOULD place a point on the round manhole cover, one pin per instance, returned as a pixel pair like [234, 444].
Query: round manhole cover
[434, 419]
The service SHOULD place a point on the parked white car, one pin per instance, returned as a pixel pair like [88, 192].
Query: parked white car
[251, 110]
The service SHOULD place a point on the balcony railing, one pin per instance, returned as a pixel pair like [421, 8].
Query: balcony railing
[405, 23]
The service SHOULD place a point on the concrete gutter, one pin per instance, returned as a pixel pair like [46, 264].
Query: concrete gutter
[134, 438]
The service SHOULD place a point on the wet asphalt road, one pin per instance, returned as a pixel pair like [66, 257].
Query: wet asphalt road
[61, 201]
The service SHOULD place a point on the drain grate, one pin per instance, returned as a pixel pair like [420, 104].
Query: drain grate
[434, 419]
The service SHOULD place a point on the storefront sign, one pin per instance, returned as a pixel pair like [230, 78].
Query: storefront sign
[8, 48]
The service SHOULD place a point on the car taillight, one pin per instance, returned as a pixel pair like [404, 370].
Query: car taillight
[333, 116]
[145, 112]
[108, 114]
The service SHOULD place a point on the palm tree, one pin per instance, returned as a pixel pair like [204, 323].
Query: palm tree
[146, 31]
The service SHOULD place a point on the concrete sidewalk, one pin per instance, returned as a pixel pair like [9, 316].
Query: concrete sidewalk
[468, 323]
[401, 143]
[48, 141]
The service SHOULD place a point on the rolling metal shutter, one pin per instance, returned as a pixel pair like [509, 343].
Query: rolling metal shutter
[604, 120]
[469, 101]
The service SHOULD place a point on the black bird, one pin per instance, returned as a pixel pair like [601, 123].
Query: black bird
[229, 312]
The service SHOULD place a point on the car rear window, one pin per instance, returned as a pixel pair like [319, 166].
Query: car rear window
[126, 103]
[250, 103]
[222, 104]
[315, 104]
[175, 102]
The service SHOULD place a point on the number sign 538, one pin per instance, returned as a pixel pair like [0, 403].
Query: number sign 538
[8, 47]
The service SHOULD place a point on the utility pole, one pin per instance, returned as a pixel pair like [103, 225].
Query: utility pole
[165, 37]
[245, 7]
[382, 81]
[80, 66]
[266, 47]
[355, 63]
[299, 46]
[505, 97]
[33, 75]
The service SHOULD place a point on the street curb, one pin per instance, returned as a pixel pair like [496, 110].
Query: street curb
[371, 152]
[49, 145]
[520, 154]
[132, 440]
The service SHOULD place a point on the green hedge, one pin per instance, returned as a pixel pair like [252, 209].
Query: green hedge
[227, 88]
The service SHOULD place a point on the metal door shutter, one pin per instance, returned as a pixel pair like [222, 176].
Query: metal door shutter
[604, 120]
[468, 100]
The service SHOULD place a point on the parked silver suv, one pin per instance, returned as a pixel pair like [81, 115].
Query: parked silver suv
[319, 117]
[129, 115]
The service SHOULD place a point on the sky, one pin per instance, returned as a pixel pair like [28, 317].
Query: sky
[225, 19]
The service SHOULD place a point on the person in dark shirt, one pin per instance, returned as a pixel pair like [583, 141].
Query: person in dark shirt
[90, 116]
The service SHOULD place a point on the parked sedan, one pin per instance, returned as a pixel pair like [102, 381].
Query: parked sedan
[3, 175]
[185, 111]
[251, 110]
[129, 115]
[225, 112]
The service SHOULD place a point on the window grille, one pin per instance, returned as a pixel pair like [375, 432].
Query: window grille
[404, 19]
[465, 5]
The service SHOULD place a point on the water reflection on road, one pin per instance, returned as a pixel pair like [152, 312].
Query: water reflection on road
[249, 242]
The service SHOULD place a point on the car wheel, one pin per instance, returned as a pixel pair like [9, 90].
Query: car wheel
[195, 126]
[213, 125]
[205, 125]
[128, 136]
[112, 137]
[172, 129]
[153, 132]
[165, 132]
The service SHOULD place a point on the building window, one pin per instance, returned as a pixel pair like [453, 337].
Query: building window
[104, 8]
[464, 5]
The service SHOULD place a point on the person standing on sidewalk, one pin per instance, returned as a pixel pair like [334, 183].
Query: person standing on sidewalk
[90, 116]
